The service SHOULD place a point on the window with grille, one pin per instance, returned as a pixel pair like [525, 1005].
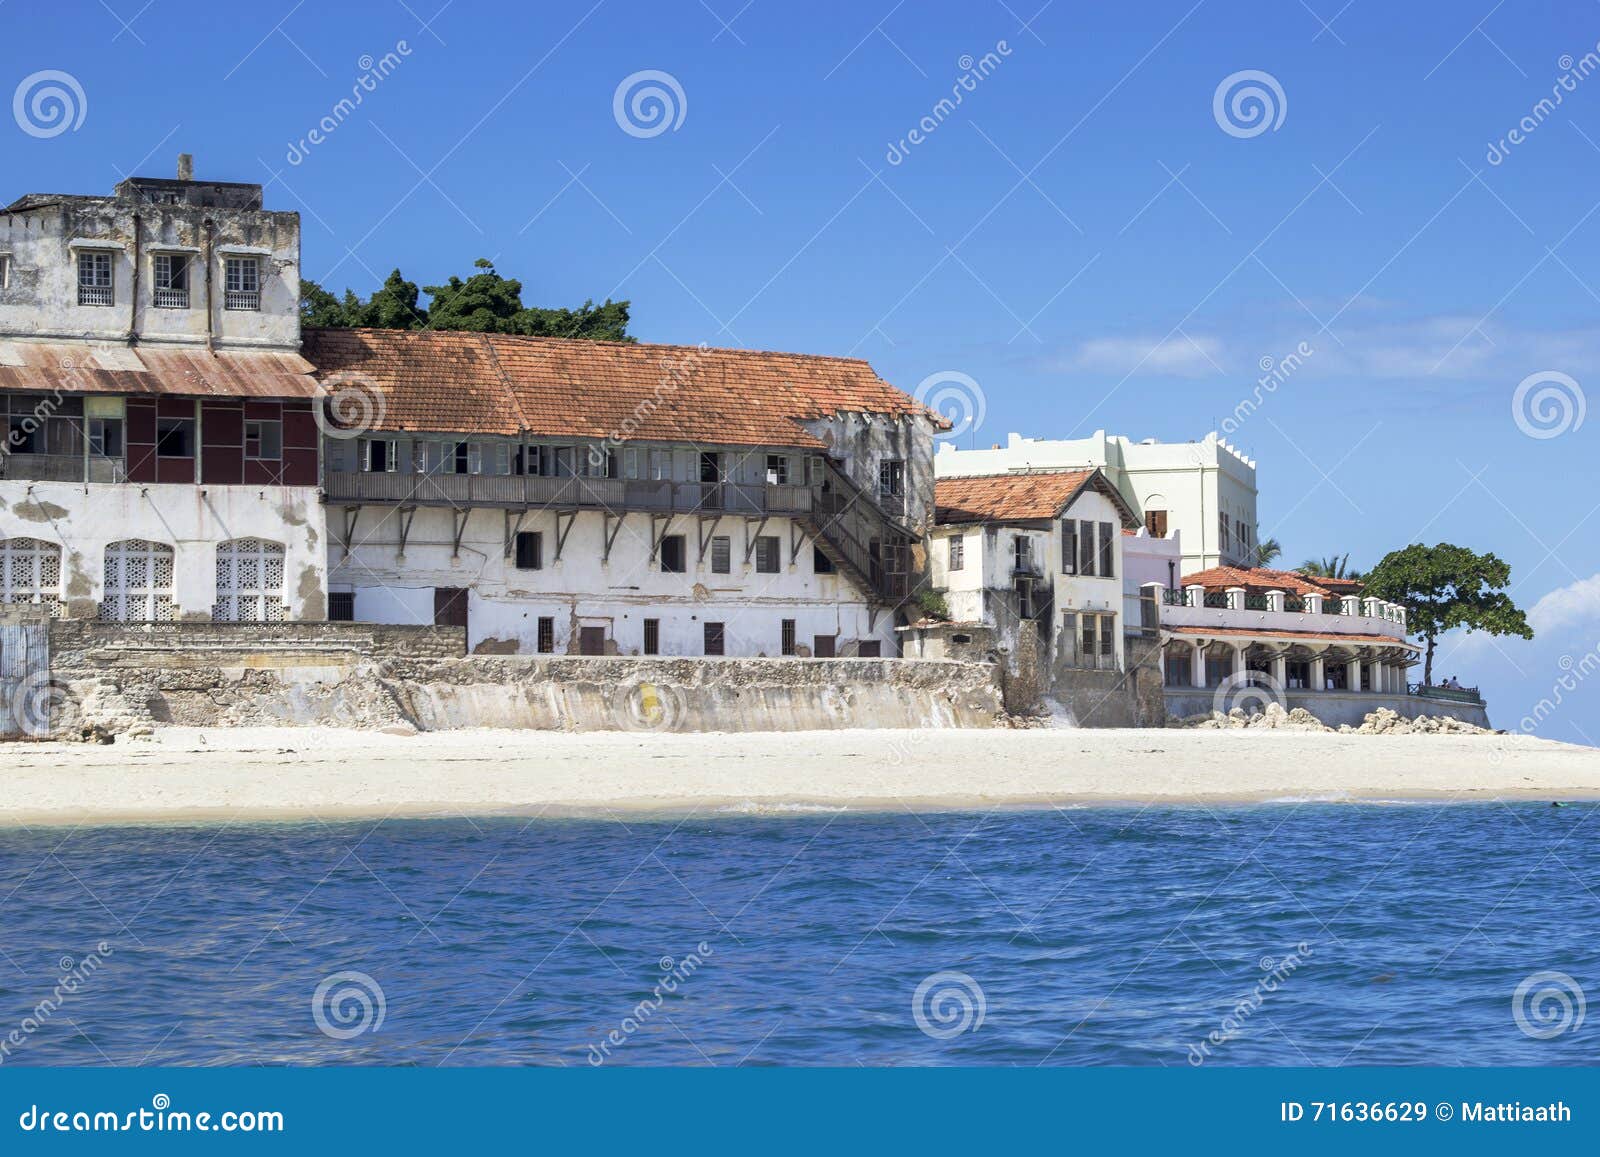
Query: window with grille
[652, 636]
[171, 281]
[263, 440]
[721, 554]
[30, 572]
[249, 582]
[767, 554]
[241, 283]
[547, 636]
[138, 582]
[530, 550]
[788, 636]
[714, 639]
[94, 279]
[341, 606]
[958, 551]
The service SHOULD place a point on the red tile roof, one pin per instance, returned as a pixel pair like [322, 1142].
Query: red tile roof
[118, 369]
[1030, 497]
[501, 384]
[1258, 580]
[1311, 636]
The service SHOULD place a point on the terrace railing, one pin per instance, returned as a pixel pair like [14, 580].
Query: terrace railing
[61, 468]
[617, 495]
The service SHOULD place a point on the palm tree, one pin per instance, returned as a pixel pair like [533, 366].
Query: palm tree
[1268, 552]
[1333, 566]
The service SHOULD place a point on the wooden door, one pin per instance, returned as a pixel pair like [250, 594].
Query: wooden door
[822, 647]
[591, 640]
[449, 606]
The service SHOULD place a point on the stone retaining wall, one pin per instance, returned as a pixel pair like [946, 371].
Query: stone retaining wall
[1335, 707]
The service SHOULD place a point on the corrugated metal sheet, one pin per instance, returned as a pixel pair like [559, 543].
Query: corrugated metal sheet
[43, 367]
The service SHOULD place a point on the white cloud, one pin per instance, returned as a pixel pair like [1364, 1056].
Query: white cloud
[1179, 356]
[1566, 607]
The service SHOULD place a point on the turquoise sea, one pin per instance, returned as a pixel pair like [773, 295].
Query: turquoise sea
[1278, 934]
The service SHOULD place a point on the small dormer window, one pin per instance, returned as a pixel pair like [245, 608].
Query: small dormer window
[242, 288]
[171, 281]
[94, 279]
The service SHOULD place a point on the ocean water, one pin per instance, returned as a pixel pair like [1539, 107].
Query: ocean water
[1290, 933]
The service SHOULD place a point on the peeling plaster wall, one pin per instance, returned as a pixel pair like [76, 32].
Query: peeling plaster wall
[862, 442]
[42, 301]
[85, 518]
[582, 590]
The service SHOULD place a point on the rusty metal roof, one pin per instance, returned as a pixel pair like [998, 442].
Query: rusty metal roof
[96, 368]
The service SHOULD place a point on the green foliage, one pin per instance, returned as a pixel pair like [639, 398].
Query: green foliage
[1444, 587]
[1333, 566]
[485, 302]
[933, 604]
[1268, 552]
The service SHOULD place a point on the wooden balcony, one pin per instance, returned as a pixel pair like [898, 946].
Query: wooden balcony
[517, 492]
[61, 468]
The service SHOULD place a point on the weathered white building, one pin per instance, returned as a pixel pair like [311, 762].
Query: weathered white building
[1038, 558]
[161, 453]
[1203, 491]
[599, 498]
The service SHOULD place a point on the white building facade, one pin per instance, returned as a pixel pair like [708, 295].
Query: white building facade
[161, 452]
[1204, 492]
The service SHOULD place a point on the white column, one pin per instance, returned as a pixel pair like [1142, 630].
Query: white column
[1275, 601]
[1238, 659]
[1194, 596]
[1313, 604]
[1353, 672]
[1280, 670]
[1318, 681]
[1236, 598]
[1197, 666]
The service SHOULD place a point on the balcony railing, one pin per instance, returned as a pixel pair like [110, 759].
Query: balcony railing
[1449, 694]
[61, 468]
[613, 494]
[172, 298]
[95, 295]
[241, 299]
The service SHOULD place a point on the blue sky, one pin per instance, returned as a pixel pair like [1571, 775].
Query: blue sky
[1081, 236]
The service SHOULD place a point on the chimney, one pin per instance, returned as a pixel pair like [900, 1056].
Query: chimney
[185, 167]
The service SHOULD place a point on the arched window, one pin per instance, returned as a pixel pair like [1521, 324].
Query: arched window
[138, 582]
[249, 582]
[30, 572]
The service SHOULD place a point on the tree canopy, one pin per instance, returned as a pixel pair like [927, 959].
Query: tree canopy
[1446, 586]
[1333, 566]
[484, 302]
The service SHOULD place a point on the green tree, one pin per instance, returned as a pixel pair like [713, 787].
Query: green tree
[1445, 586]
[1268, 552]
[1333, 566]
[485, 302]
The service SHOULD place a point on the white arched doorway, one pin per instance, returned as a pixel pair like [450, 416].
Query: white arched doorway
[138, 582]
[30, 572]
[249, 582]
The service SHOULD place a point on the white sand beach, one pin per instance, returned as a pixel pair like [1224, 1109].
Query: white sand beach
[288, 773]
